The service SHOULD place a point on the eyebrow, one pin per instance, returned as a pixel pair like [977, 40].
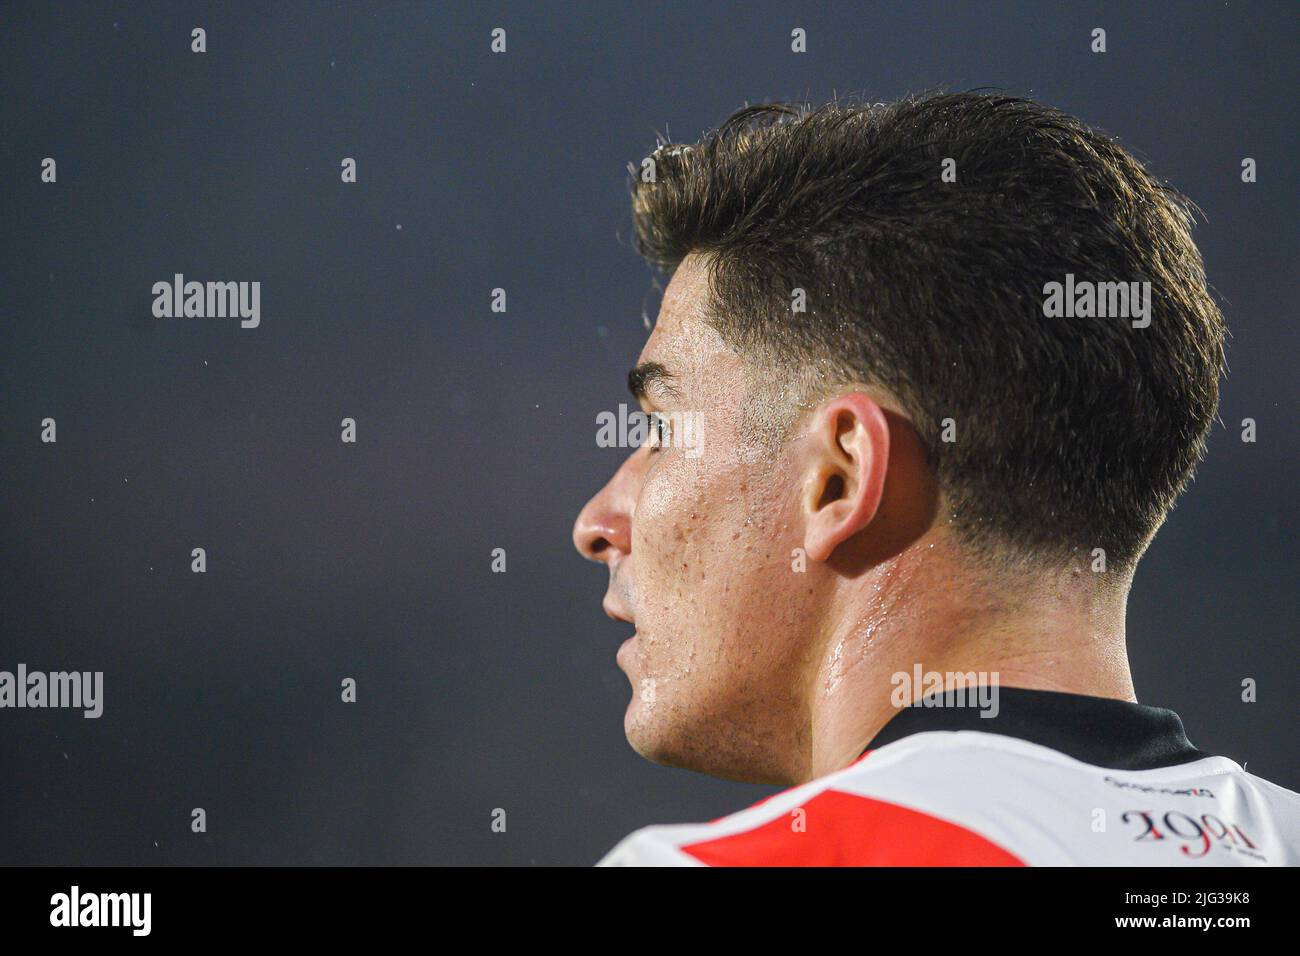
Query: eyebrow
[646, 374]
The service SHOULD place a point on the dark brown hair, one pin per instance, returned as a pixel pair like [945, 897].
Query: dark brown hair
[1071, 433]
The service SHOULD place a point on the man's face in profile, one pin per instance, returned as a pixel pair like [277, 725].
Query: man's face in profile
[699, 544]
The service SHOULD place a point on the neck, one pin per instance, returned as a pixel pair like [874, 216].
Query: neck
[1060, 630]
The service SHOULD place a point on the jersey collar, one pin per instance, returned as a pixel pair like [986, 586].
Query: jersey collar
[1095, 730]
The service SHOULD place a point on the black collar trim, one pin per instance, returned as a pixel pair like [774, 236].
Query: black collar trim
[1096, 730]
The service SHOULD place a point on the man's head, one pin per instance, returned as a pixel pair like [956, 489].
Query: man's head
[857, 314]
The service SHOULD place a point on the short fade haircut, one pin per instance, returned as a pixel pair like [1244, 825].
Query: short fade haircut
[1071, 433]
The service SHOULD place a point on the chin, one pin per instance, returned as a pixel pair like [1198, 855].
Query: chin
[671, 744]
[651, 736]
[640, 736]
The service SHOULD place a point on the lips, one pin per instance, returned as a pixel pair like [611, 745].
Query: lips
[617, 596]
[616, 610]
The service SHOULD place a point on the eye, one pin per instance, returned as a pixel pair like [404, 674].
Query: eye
[659, 433]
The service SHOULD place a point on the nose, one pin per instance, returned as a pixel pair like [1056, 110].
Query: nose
[603, 531]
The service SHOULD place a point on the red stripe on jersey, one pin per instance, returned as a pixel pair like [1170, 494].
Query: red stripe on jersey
[842, 829]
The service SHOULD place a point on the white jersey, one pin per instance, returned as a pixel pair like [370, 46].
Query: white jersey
[1012, 797]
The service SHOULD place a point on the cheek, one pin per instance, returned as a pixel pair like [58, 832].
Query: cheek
[704, 548]
[673, 529]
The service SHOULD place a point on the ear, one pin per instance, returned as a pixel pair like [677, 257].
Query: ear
[845, 463]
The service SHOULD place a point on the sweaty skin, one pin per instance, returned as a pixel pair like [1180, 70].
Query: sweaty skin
[775, 593]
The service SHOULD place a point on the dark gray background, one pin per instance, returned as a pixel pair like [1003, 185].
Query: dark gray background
[477, 430]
